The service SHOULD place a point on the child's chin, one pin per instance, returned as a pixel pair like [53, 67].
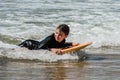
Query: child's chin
[58, 40]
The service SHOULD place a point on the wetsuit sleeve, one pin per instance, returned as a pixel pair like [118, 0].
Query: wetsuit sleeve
[43, 42]
[67, 44]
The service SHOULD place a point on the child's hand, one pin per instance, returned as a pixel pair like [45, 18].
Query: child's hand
[56, 50]
[75, 44]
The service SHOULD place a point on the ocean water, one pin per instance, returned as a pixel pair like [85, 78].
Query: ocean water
[89, 20]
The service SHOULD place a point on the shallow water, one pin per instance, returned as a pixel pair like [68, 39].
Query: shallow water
[94, 68]
[97, 66]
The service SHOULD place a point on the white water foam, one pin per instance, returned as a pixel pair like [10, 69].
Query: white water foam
[6, 46]
[41, 55]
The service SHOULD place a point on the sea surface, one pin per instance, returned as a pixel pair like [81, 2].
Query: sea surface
[97, 21]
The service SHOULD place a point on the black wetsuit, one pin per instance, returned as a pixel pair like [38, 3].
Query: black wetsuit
[48, 43]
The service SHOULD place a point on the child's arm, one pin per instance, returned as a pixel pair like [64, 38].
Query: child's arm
[75, 44]
[56, 50]
[70, 44]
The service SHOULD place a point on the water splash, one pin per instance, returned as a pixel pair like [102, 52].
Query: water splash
[41, 55]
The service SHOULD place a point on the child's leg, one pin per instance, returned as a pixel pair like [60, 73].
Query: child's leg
[30, 44]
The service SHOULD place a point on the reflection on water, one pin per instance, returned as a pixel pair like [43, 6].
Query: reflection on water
[10, 70]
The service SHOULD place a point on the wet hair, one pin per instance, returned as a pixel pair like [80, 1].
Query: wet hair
[64, 28]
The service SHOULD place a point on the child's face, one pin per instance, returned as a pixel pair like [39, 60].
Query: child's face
[59, 35]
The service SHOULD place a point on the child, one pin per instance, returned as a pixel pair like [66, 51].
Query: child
[55, 42]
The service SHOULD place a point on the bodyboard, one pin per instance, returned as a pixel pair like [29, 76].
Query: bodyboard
[75, 48]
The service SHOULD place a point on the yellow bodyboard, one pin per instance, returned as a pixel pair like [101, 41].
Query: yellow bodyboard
[75, 48]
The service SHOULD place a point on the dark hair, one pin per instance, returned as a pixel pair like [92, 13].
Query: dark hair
[64, 28]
